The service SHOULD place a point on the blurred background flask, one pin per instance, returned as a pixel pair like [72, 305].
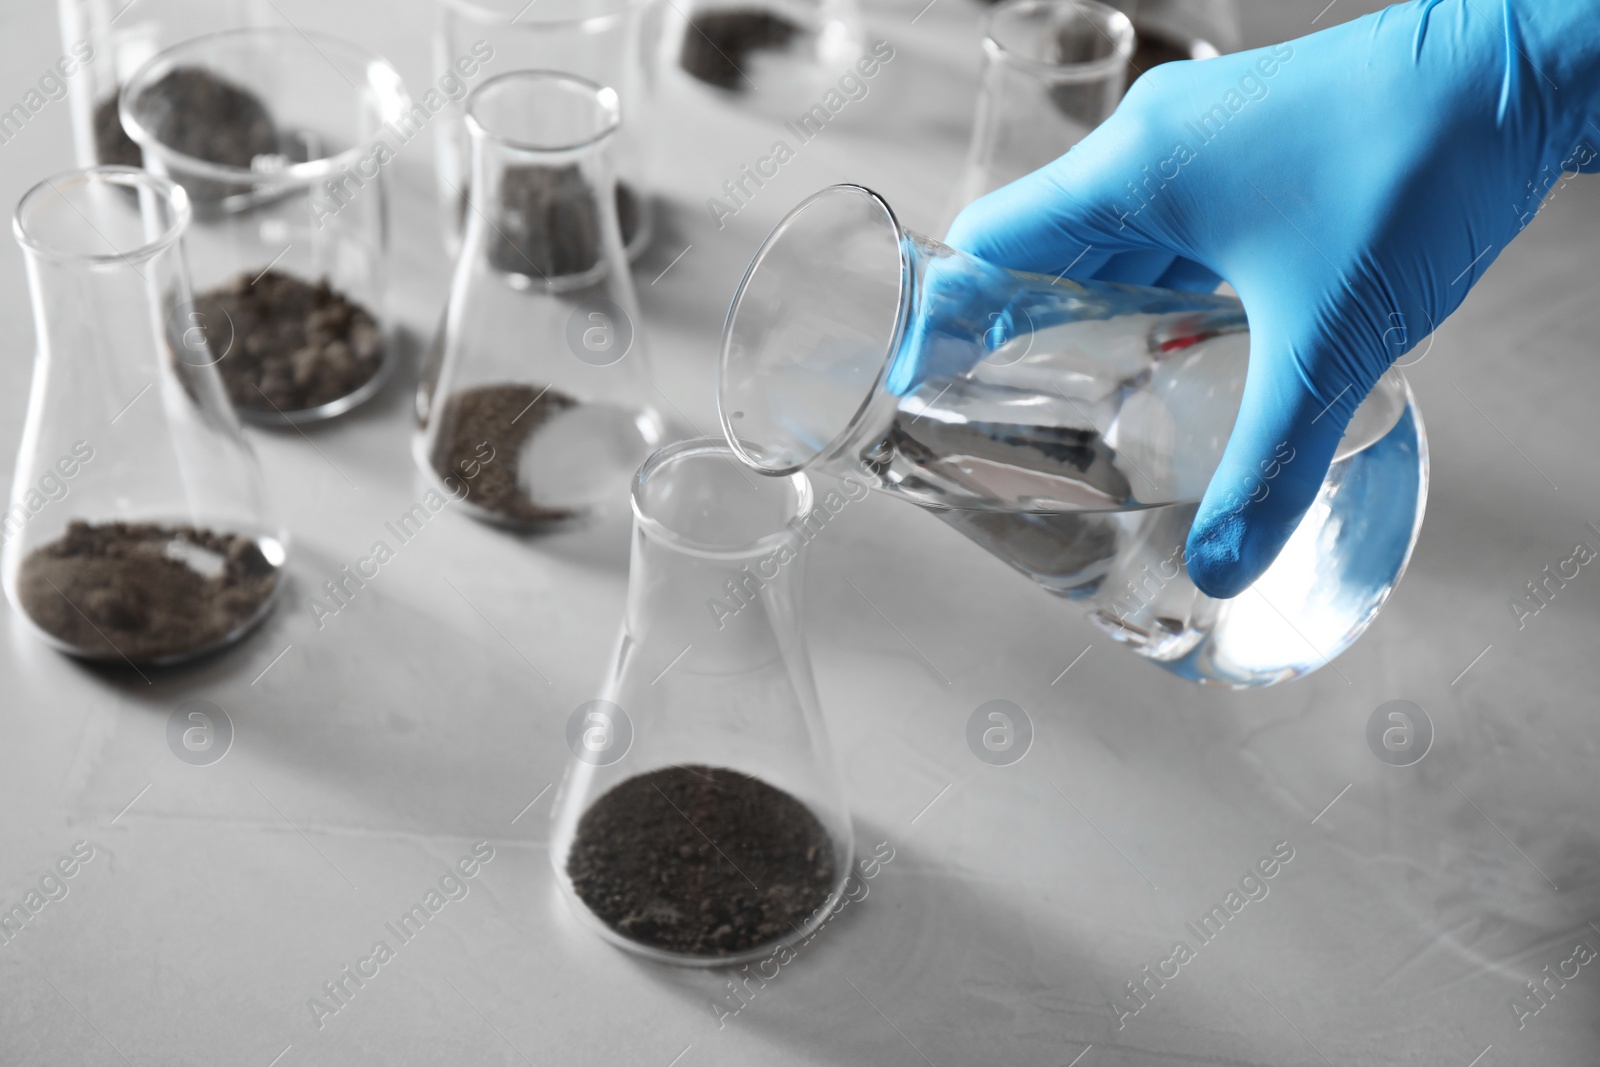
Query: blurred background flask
[1069, 428]
[536, 393]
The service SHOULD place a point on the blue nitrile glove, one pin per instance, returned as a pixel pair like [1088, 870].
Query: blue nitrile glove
[1351, 186]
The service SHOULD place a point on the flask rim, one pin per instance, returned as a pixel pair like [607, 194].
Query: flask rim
[379, 78]
[699, 447]
[605, 98]
[126, 177]
[1122, 35]
[872, 392]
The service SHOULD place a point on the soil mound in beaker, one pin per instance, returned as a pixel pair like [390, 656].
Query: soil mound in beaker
[504, 417]
[143, 591]
[546, 224]
[718, 44]
[296, 346]
[701, 860]
[194, 112]
[112, 145]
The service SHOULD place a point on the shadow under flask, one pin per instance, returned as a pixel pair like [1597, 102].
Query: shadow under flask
[701, 820]
[1070, 428]
[536, 395]
[137, 532]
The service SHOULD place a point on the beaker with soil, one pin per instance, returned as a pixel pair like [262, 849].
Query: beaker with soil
[784, 54]
[282, 141]
[137, 532]
[538, 397]
[602, 41]
[1052, 71]
[1069, 428]
[104, 42]
[701, 820]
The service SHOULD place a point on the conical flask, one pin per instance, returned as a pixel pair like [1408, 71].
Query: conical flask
[137, 531]
[1052, 71]
[701, 819]
[1069, 428]
[537, 402]
[604, 41]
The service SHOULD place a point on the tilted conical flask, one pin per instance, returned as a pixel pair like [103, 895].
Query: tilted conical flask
[537, 401]
[701, 819]
[137, 531]
[1070, 428]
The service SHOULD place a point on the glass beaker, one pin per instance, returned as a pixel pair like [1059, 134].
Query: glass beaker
[1069, 428]
[281, 140]
[538, 393]
[1169, 30]
[1052, 71]
[137, 531]
[114, 38]
[701, 819]
[602, 41]
[782, 53]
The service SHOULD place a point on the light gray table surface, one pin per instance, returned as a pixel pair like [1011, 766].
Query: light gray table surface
[1020, 900]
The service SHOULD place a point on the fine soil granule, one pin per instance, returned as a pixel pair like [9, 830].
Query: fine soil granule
[504, 417]
[194, 112]
[112, 145]
[718, 44]
[142, 591]
[296, 346]
[701, 860]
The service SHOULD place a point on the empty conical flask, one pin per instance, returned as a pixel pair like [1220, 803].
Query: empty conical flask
[701, 819]
[537, 398]
[1069, 428]
[137, 531]
[1052, 71]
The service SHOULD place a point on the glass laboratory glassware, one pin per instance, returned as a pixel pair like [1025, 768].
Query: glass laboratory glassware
[1052, 71]
[777, 54]
[282, 140]
[137, 532]
[119, 37]
[538, 395]
[602, 41]
[710, 699]
[1069, 428]
[1169, 30]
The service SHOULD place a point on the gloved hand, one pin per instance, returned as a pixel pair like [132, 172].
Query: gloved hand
[1351, 186]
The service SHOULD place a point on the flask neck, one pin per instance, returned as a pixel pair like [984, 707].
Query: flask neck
[717, 560]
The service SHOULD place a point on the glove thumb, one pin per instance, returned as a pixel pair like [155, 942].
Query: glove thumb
[1276, 458]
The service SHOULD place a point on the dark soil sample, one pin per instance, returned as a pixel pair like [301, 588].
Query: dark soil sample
[144, 592]
[112, 145]
[1154, 48]
[717, 44]
[702, 861]
[194, 112]
[504, 417]
[296, 346]
[546, 223]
